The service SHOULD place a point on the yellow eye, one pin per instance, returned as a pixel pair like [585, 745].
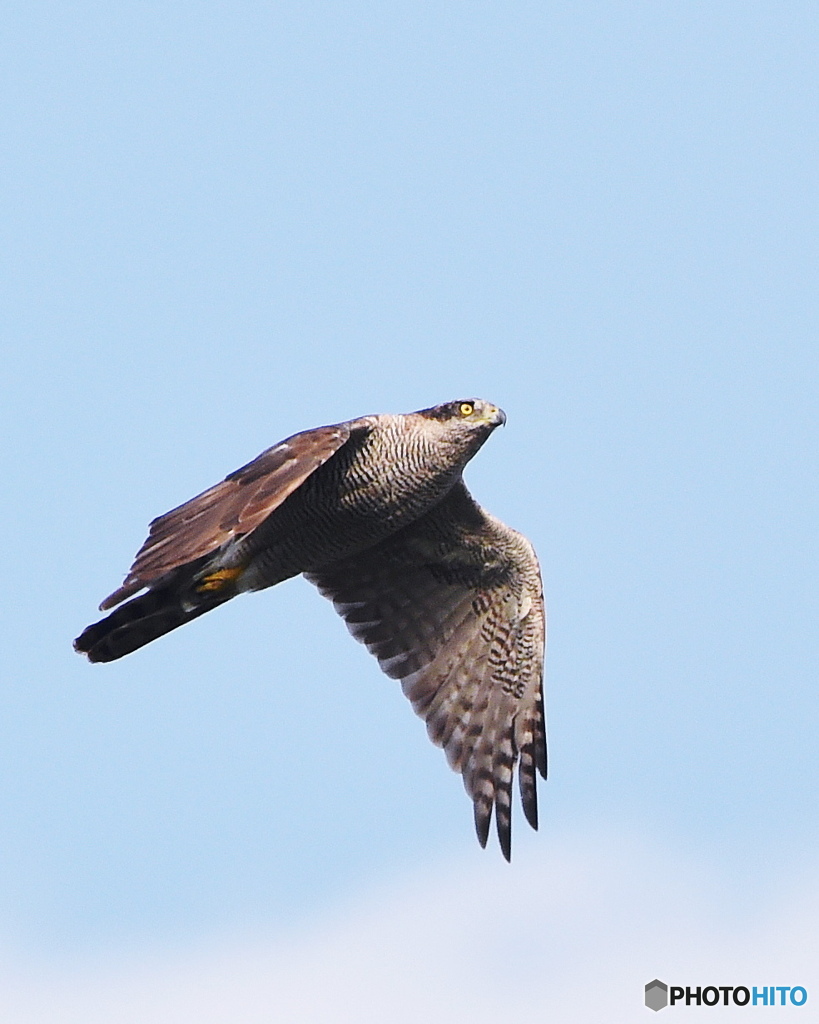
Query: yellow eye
[467, 408]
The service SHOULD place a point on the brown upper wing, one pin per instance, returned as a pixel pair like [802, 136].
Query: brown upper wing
[237, 505]
[452, 606]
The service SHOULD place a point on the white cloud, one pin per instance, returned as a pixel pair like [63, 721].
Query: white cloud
[571, 932]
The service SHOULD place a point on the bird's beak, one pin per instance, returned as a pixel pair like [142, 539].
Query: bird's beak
[496, 416]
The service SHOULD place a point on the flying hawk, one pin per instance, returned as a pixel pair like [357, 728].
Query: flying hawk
[375, 513]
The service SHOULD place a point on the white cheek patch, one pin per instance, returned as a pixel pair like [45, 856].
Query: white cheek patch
[525, 608]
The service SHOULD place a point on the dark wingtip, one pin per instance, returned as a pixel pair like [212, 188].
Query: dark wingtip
[503, 821]
[483, 817]
[527, 779]
[543, 761]
[530, 812]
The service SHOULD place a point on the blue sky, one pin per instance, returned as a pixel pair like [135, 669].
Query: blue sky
[225, 223]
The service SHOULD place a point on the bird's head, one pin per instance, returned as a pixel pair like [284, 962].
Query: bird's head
[464, 424]
[468, 413]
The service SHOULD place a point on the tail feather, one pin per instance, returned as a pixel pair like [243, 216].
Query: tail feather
[141, 620]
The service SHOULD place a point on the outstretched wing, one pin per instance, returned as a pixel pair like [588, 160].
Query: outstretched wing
[452, 605]
[237, 505]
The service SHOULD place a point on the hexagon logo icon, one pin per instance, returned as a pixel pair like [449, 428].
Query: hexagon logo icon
[656, 994]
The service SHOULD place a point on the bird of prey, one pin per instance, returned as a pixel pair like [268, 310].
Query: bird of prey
[375, 513]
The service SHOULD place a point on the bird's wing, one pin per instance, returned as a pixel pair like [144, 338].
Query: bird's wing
[452, 605]
[237, 505]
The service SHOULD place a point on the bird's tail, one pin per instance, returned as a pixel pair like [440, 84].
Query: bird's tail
[151, 615]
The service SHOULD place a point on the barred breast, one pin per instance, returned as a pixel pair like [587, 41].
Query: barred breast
[379, 482]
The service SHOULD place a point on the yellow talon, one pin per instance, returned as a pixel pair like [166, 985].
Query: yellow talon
[217, 580]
